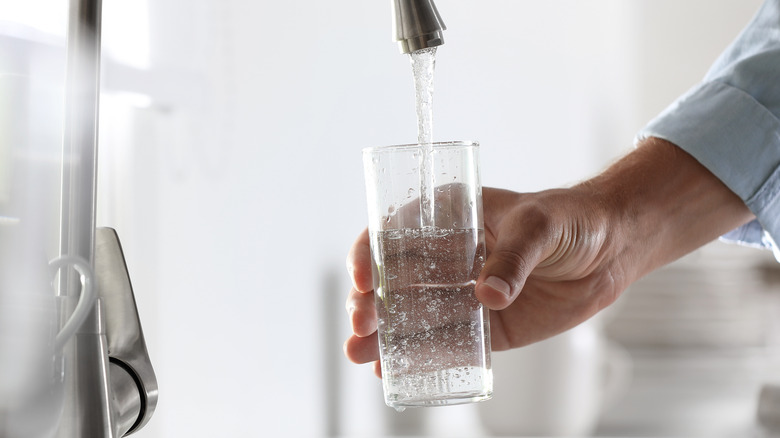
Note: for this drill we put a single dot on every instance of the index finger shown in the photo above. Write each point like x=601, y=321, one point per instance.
x=359, y=263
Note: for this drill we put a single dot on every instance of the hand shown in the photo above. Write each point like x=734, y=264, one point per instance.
x=557, y=257
x=520, y=231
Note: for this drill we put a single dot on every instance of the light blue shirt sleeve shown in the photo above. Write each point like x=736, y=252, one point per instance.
x=730, y=123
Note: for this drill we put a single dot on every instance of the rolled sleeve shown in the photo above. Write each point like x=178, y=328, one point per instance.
x=730, y=124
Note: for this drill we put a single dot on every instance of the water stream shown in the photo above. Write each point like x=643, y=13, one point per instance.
x=423, y=65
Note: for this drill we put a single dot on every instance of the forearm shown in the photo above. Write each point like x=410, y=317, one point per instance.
x=663, y=204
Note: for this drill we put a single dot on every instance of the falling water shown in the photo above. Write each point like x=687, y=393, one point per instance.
x=423, y=64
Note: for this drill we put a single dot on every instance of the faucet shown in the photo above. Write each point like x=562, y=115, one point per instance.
x=132, y=382
x=110, y=389
x=417, y=25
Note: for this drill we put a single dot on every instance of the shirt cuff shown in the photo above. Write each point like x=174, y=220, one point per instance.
x=738, y=140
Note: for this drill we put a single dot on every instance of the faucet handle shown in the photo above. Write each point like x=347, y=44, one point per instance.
x=133, y=382
x=417, y=25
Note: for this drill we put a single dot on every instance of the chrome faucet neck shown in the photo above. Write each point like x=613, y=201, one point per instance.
x=417, y=25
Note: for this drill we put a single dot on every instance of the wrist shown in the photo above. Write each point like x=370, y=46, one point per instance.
x=660, y=204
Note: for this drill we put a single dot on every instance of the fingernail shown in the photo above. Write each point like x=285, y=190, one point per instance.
x=498, y=285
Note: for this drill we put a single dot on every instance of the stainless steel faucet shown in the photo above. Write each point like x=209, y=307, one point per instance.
x=110, y=389
x=417, y=25
x=131, y=378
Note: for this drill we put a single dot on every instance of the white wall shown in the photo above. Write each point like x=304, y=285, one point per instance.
x=238, y=191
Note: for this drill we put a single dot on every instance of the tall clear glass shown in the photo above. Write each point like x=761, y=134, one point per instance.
x=434, y=336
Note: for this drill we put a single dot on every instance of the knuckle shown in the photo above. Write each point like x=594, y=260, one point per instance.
x=512, y=262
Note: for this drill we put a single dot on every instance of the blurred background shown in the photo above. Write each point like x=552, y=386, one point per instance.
x=229, y=164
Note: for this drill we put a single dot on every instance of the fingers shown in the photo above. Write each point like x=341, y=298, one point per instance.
x=359, y=263
x=521, y=243
x=362, y=349
x=362, y=313
x=360, y=303
x=363, y=345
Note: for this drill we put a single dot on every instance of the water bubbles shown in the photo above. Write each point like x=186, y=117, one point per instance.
x=394, y=234
x=432, y=333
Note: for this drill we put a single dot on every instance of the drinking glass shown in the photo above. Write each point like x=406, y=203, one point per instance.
x=434, y=336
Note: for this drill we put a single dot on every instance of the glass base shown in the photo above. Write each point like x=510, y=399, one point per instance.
x=455, y=386
x=448, y=400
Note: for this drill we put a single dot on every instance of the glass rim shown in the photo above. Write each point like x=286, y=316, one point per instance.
x=436, y=145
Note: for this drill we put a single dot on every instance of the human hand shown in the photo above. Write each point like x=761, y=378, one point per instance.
x=557, y=257
x=521, y=231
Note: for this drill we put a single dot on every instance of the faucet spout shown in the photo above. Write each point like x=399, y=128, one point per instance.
x=417, y=25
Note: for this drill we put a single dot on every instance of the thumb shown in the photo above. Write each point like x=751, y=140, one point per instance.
x=515, y=254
